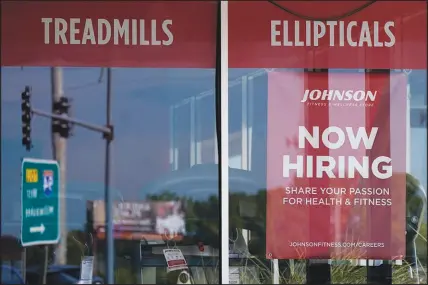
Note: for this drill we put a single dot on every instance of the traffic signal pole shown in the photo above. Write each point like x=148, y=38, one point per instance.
x=61, y=129
x=71, y=120
x=59, y=148
x=107, y=191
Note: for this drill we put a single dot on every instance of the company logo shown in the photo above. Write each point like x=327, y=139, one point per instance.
x=48, y=182
x=339, y=95
x=31, y=175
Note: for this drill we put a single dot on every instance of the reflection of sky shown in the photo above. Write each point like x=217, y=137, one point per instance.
x=141, y=100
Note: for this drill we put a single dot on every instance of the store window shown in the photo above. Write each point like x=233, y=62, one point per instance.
x=327, y=127
x=418, y=117
x=182, y=138
x=155, y=59
x=295, y=67
x=206, y=144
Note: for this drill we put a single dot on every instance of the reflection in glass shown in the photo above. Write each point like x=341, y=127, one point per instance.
x=206, y=149
x=248, y=202
x=182, y=129
x=164, y=186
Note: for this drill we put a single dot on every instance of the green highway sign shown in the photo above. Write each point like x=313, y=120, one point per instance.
x=40, y=181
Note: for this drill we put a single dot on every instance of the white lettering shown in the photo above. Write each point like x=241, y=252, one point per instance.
x=387, y=169
x=376, y=33
x=274, y=33
x=60, y=30
x=354, y=139
x=75, y=31
x=339, y=95
x=155, y=41
x=286, y=41
x=331, y=25
x=304, y=134
x=88, y=33
x=292, y=166
x=342, y=167
x=326, y=165
x=47, y=22
x=298, y=42
x=134, y=30
x=121, y=31
x=166, y=29
x=143, y=40
x=104, y=40
x=389, y=33
x=319, y=31
x=365, y=35
x=310, y=33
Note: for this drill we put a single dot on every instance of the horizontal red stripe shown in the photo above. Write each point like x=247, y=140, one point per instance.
x=193, y=28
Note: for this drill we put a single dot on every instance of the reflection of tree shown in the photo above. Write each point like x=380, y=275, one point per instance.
x=248, y=211
x=10, y=248
x=77, y=246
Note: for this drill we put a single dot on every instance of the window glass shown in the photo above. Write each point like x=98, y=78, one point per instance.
x=235, y=125
x=278, y=64
x=75, y=273
x=157, y=61
x=206, y=150
x=248, y=206
x=10, y=276
x=183, y=147
x=418, y=117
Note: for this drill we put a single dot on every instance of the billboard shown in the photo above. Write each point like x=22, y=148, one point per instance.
x=151, y=220
x=336, y=164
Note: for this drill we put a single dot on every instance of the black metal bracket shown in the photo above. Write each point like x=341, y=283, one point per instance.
x=318, y=70
x=318, y=273
x=378, y=71
x=381, y=274
x=109, y=135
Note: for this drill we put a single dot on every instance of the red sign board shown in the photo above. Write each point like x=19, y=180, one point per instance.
x=383, y=35
x=386, y=34
x=336, y=165
x=108, y=33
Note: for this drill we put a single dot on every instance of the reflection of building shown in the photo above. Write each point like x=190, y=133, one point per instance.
x=247, y=126
x=193, y=130
x=193, y=133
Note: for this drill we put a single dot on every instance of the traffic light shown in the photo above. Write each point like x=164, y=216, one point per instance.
x=61, y=108
x=26, y=118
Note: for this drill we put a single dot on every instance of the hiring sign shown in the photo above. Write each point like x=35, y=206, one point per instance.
x=336, y=165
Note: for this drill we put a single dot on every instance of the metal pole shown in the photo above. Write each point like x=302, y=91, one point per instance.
x=108, y=192
x=224, y=137
x=275, y=271
x=24, y=264
x=45, y=264
x=59, y=145
x=75, y=121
